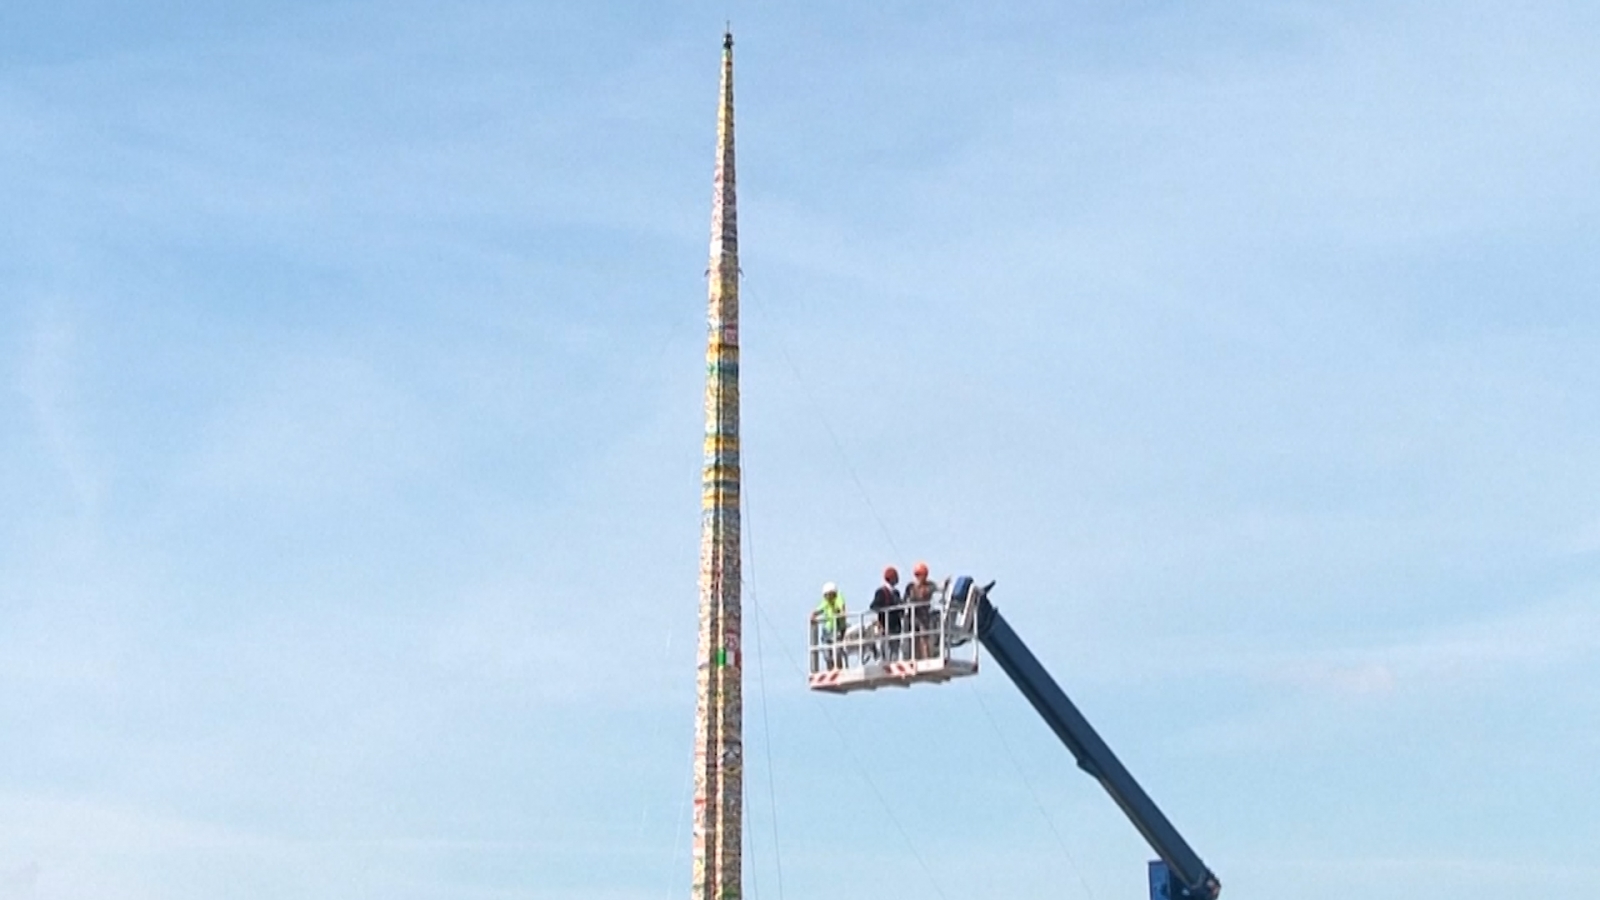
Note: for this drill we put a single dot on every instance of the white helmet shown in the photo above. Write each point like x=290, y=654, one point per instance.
x=829, y=588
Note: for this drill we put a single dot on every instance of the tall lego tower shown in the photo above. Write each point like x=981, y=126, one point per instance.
x=718, y=745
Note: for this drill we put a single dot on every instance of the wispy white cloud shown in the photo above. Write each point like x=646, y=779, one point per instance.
x=19, y=884
x=316, y=426
x=1402, y=876
x=1587, y=540
x=1538, y=637
x=85, y=849
x=541, y=644
x=48, y=380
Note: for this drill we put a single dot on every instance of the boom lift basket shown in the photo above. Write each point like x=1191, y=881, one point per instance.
x=899, y=646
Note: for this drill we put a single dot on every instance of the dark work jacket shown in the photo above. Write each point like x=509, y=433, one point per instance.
x=886, y=602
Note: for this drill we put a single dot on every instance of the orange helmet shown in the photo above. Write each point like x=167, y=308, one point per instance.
x=921, y=571
x=891, y=575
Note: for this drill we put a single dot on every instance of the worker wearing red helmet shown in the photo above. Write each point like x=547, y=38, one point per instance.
x=891, y=617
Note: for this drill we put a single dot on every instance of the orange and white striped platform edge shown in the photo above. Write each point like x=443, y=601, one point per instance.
x=898, y=673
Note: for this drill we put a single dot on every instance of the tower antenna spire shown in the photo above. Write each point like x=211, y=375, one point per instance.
x=718, y=736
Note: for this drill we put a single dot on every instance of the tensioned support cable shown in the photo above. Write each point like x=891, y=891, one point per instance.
x=761, y=680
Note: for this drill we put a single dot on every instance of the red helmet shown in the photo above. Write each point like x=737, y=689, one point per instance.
x=891, y=575
x=921, y=571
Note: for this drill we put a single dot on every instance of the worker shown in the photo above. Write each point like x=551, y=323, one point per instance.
x=829, y=618
x=887, y=603
x=919, y=597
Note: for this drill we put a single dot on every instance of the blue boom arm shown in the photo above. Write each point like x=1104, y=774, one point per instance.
x=1179, y=875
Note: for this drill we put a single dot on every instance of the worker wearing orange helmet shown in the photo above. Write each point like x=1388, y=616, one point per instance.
x=920, y=594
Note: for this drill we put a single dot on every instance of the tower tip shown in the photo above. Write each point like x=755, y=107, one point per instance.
x=727, y=36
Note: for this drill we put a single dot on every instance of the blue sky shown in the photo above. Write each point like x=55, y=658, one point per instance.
x=349, y=441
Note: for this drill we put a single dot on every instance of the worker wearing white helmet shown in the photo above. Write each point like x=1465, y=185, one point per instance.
x=829, y=615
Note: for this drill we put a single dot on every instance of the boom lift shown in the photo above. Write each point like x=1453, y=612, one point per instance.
x=934, y=642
